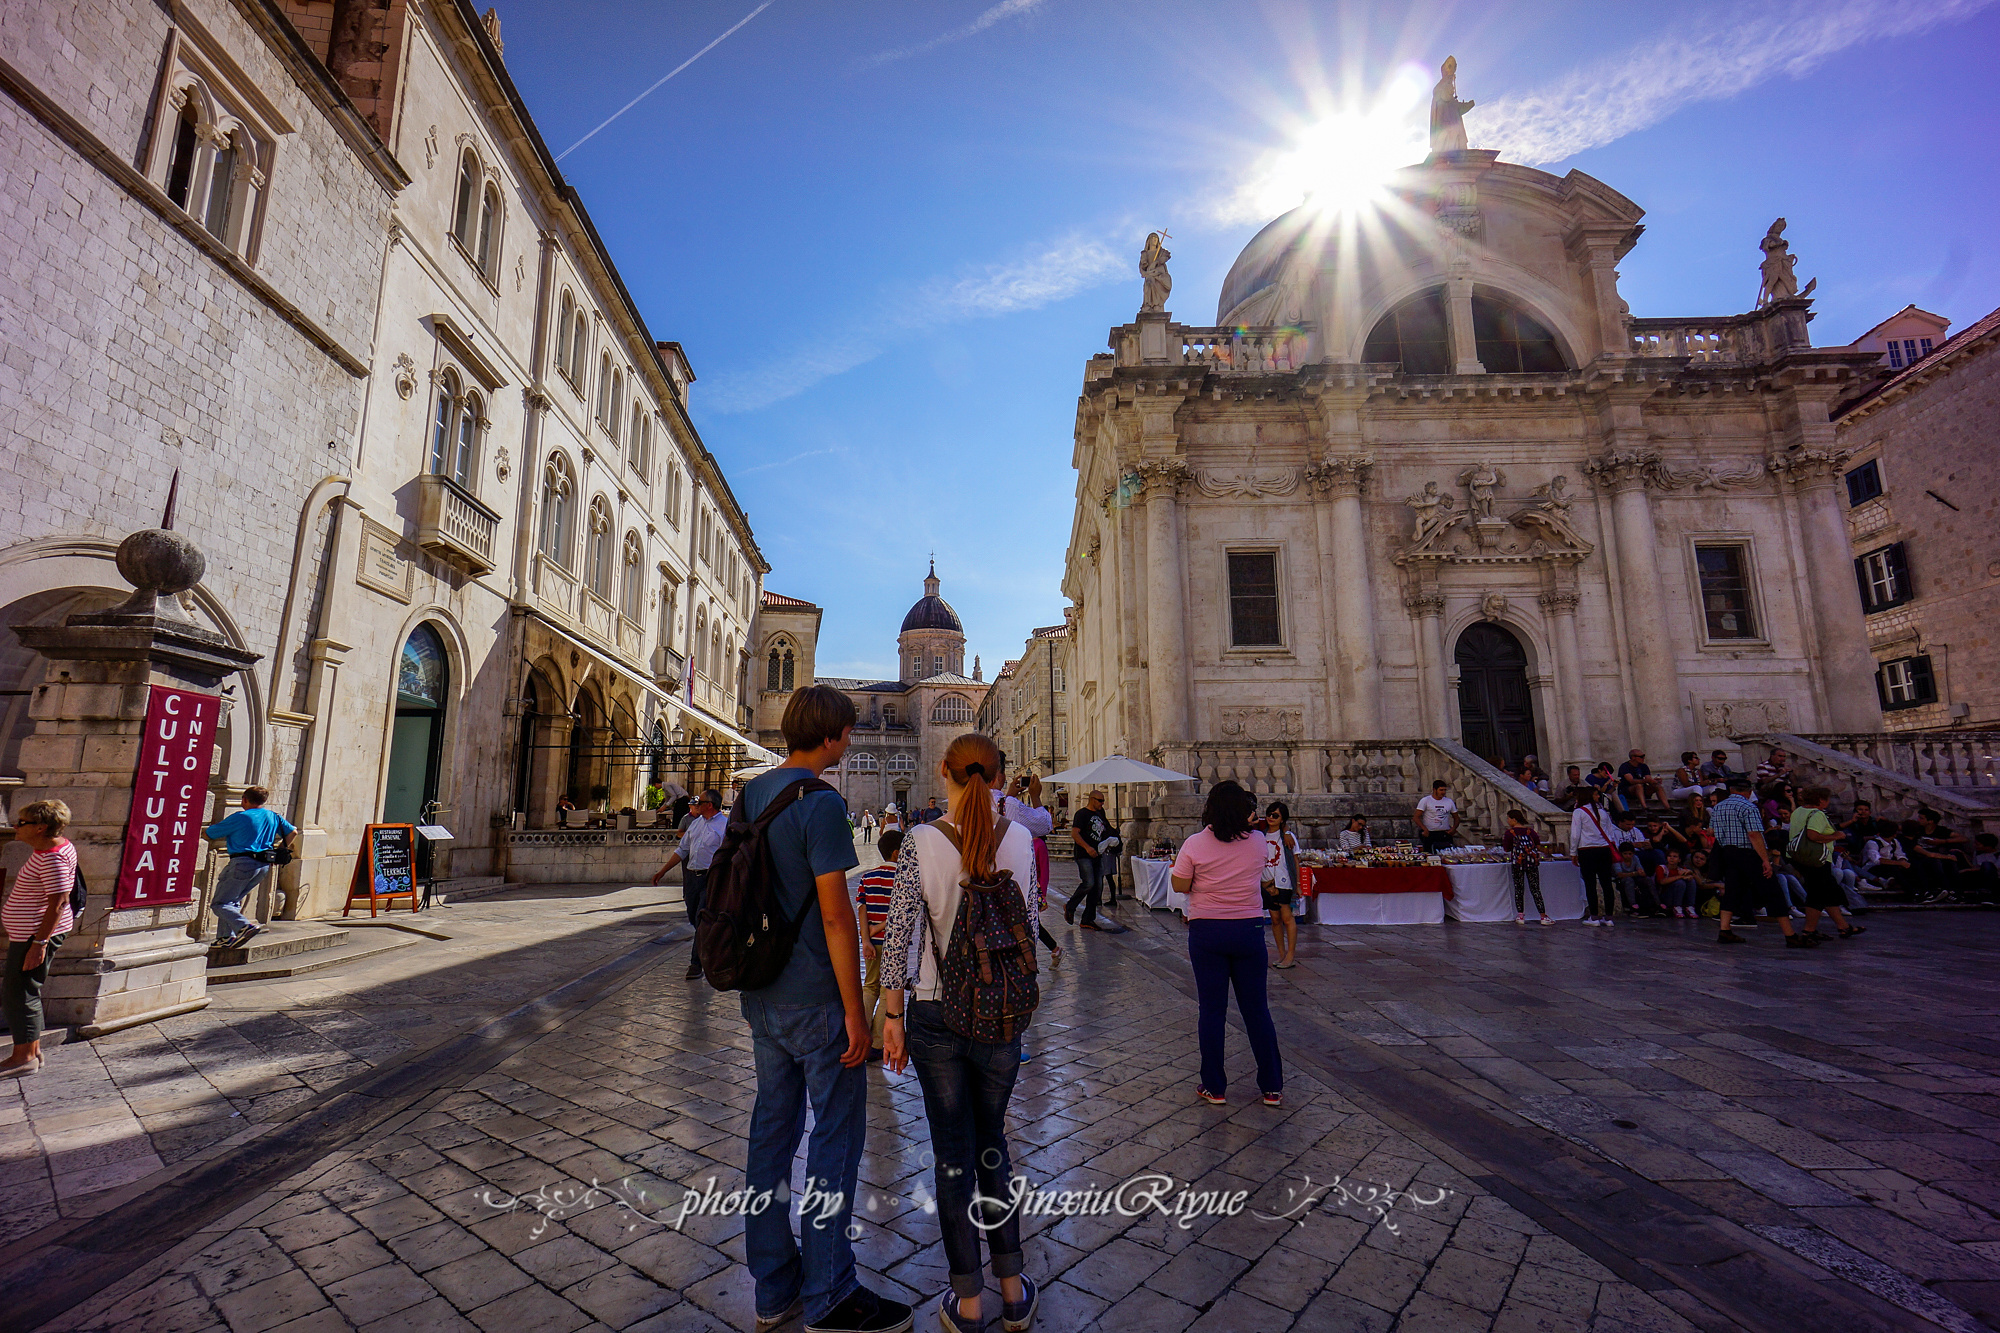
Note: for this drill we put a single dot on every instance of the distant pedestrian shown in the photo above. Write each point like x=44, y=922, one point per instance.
x=1524, y=848
x=1090, y=829
x=253, y=835
x=1749, y=874
x=36, y=917
x=871, y=914
x=701, y=836
x=1437, y=817
x=1221, y=869
x=1810, y=848
x=1283, y=860
x=1593, y=841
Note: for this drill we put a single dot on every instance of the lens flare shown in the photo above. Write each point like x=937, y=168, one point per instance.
x=1340, y=162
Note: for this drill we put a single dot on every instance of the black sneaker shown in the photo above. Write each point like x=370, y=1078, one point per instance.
x=865, y=1312
x=1801, y=940
x=1729, y=937
x=694, y=970
x=247, y=934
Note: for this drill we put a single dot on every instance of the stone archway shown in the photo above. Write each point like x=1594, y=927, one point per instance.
x=1496, y=709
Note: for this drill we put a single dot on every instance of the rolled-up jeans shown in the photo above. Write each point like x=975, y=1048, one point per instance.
x=21, y=990
x=242, y=875
x=967, y=1085
x=797, y=1050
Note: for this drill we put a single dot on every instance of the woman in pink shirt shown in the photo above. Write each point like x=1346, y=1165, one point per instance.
x=1221, y=869
x=35, y=917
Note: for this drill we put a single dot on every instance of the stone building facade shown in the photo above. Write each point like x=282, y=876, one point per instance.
x=904, y=724
x=444, y=475
x=1026, y=712
x=1427, y=477
x=1922, y=492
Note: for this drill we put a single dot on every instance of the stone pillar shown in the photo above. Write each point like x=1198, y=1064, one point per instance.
x=1425, y=603
x=1559, y=602
x=1847, y=668
x=1166, y=612
x=1648, y=645
x=1458, y=320
x=1595, y=247
x=120, y=968
x=1355, y=681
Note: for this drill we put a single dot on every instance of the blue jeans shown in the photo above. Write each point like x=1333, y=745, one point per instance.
x=1089, y=884
x=967, y=1085
x=798, y=1050
x=1226, y=954
x=232, y=886
x=694, y=887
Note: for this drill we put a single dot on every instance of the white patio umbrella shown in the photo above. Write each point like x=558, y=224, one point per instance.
x=754, y=771
x=1117, y=768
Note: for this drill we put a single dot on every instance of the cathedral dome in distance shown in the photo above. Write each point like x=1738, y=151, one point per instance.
x=931, y=610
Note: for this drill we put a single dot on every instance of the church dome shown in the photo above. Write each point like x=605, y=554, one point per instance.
x=1262, y=262
x=931, y=610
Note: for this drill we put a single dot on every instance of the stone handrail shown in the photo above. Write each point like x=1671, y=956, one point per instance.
x=1893, y=795
x=1958, y=759
x=1245, y=351
x=1485, y=794
x=1700, y=340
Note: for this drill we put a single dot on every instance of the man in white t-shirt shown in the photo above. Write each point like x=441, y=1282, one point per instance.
x=1437, y=817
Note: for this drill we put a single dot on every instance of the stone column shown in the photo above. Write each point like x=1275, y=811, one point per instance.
x=1425, y=603
x=1846, y=666
x=1648, y=645
x=1166, y=612
x=1559, y=602
x=1355, y=678
x=1595, y=248
x=137, y=965
x=1458, y=321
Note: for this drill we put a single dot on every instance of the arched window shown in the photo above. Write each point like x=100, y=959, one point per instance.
x=598, y=561
x=488, y=252
x=611, y=405
x=462, y=219
x=952, y=709
x=864, y=763
x=1414, y=335
x=902, y=763
x=579, y=346
x=635, y=444
x=423, y=674
x=774, y=671
x=565, y=330
x=441, y=427
x=558, y=499
x=221, y=189
x=634, y=586
x=701, y=641
x=780, y=669
x=717, y=664
x=1511, y=342
x=471, y=416
x=669, y=607
x=187, y=143
x=603, y=386
x=729, y=663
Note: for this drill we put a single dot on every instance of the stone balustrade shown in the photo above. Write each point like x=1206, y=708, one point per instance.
x=1244, y=351
x=1955, y=759
x=1894, y=774
x=588, y=856
x=452, y=524
x=1700, y=340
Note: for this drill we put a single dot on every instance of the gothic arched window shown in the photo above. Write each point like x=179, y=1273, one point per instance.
x=558, y=497
x=598, y=557
x=634, y=586
x=1414, y=335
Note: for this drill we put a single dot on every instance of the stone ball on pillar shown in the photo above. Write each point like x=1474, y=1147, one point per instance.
x=157, y=561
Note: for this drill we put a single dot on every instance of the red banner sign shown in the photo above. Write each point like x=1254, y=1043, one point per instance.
x=169, y=798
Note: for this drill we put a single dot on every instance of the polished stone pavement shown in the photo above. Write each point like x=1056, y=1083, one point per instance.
x=1630, y=1128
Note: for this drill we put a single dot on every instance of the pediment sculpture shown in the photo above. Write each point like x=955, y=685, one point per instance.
x=1545, y=528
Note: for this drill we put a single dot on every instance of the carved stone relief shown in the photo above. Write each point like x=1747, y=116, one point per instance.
x=1246, y=485
x=1253, y=723
x=1743, y=717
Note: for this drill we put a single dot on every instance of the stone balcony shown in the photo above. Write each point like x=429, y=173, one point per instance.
x=454, y=525
x=669, y=667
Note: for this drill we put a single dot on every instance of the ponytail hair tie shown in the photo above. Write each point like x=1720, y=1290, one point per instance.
x=980, y=769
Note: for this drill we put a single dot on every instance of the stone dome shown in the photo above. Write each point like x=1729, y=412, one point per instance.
x=1262, y=262
x=931, y=610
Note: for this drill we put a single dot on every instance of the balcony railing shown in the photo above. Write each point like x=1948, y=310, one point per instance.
x=631, y=639
x=555, y=588
x=1246, y=351
x=454, y=525
x=668, y=666
x=1702, y=341
x=600, y=618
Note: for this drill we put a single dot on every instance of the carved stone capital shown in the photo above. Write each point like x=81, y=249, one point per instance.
x=535, y=400
x=1809, y=467
x=1620, y=470
x=1169, y=477
x=1560, y=602
x=1424, y=602
x=1340, y=476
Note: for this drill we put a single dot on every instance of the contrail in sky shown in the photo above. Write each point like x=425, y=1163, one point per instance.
x=1006, y=9
x=668, y=75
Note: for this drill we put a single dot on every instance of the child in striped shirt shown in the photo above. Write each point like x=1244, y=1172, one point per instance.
x=871, y=915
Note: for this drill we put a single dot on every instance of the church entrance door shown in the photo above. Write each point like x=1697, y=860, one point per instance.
x=1496, y=712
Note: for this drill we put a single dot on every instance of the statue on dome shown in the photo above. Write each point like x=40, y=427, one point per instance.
x=1153, y=269
x=1781, y=281
x=1447, y=112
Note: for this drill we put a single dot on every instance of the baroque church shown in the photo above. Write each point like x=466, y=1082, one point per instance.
x=1427, y=476
x=904, y=724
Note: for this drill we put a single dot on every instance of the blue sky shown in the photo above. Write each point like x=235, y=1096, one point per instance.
x=890, y=234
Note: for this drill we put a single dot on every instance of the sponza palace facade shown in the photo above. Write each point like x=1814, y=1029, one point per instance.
x=318, y=259
x=1429, y=477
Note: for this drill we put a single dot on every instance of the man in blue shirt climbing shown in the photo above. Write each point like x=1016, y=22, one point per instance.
x=810, y=1037
x=251, y=833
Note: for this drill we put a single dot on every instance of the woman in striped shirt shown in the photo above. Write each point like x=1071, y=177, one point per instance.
x=36, y=917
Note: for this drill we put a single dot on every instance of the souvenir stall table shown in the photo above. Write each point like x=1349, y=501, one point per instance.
x=1403, y=895
x=1484, y=891
x=1153, y=884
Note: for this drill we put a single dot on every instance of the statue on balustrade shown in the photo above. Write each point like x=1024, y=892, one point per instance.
x=1447, y=112
x=1781, y=281
x=1153, y=269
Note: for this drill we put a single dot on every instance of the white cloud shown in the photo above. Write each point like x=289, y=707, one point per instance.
x=1058, y=271
x=1603, y=102
x=1006, y=9
x=787, y=462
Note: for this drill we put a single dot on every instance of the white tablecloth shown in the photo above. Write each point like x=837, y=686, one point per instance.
x=1154, y=884
x=1485, y=892
x=1379, y=909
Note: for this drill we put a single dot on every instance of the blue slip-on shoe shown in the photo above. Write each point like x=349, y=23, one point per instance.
x=1015, y=1316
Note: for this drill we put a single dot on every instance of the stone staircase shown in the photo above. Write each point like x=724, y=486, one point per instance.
x=295, y=948
x=1895, y=772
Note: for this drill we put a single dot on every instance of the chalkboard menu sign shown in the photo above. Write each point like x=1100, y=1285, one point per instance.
x=385, y=869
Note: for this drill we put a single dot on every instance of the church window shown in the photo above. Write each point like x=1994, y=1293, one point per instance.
x=1509, y=342
x=902, y=763
x=1253, y=599
x=579, y=345
x=487, y=254
x=1414, y=336
x=1725, y=591
x=1864, y=483
x=781, y=670
x=598, y=558
x=937, y=666
x=610, y=415
x=565, y=330
x=558, y=495
x=1884, y=577
x=1906, y=683
x=952, y=710
x=634, y=586
x=864, y=763
x=462, y=217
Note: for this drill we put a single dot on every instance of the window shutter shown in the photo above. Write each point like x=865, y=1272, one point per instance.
x=1923, y=685
x=1899, y=569
x=1882, y=688
x=1861, y=582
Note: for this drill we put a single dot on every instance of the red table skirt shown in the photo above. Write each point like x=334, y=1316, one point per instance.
x=1388, y=879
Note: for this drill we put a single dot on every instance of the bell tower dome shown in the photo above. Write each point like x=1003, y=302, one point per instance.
x=932, y=640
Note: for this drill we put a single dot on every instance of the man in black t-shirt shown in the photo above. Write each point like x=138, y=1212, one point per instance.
x=1088, y=829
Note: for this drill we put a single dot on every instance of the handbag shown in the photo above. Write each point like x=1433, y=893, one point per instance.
x=274, y=855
